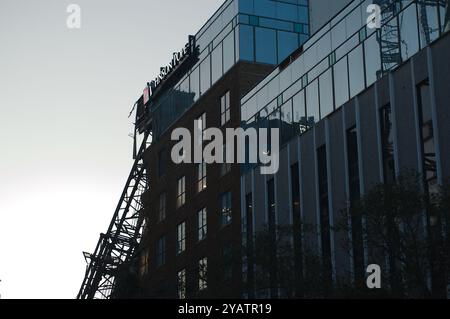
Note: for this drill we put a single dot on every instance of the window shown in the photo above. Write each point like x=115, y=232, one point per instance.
x=202, y=224
x=372, y=59
x=181, y=284
x=195, y=83
x=181, y=192
x=429, y=31
x=354, y=188
x=324, y=212
x=312, y=103
x=408, y=32
x=201, y=177
x=161, y=251
x=205, y=75
x=202, y=274
x=287, y=43
x=341, y=82
x=181, y=238
x=225, y=204
x=228, y=52
x=225, y=167
x=429, y=167
x=387, y=144
x=356, y=71
x=326, y=93
x=299, y=112
x=225, y=113
x=246, y=41
x=216, y=63
x=201, y=122
x=143, y=267
x=162, y=207
x=266, y=45
x=286, y=121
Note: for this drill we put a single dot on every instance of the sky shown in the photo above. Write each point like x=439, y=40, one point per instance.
x=65, y=153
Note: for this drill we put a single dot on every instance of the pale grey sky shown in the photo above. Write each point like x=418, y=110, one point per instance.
x=65, y=153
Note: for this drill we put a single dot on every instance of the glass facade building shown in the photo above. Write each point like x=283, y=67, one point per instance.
x=256, y=31
x=340, y=61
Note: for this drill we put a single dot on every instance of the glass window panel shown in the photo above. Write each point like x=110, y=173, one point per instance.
x=390, y=46
x=216, y=64
x=338, y=35
x=303, y=14
x=312, y=102
x=251, y=107
x=286, y=121
x=326, y=93
x=302, y=38
x=292, y=90
x=347, y=46
x=195, y=83
x=266, y=47
x=373, y=60
x=228, y=52
x=356, y=71
x=273, y=89
x=222, y=34
x=262, y=97
x=254, y=20
x=246, y=49
x=285, y=79
x=226, y=214
x=265, y=8
x=276, y=24
x=310, y=57
x=445, y=22
x=353, y=22
x=299, y=113
x=318, y=69
x=324, y=46
x=287, y=43
x=274, y=119
x=408, y=32
x=341, y=82
x=429, y=26
x=184, y=86
x=286, y=11
x=205, y=75
x=243, y=18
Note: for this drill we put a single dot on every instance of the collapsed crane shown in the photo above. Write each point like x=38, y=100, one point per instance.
x=116, y=249
x=389, y=35
x=113, y=263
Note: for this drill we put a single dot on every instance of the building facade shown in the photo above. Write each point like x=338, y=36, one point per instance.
x=357, y=108
x=351, y=103
x=191, y=242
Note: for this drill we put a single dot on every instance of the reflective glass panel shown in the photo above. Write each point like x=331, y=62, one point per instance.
x=266, y=48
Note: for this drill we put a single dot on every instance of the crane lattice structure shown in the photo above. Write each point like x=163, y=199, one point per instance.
x=116, y=250
x=389, y=35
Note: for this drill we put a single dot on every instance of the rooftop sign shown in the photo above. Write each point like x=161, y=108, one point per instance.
x=177, y=60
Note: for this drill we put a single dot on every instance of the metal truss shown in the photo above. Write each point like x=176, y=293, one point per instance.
x=389, y=35
x=115, y=250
